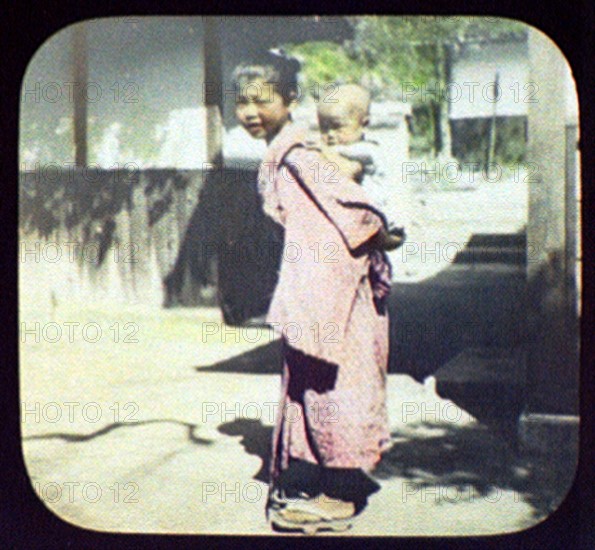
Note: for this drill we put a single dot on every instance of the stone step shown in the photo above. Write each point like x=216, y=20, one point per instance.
x=489, y=382
x=556, y=433
x=492, y=254
x=504, y=248
x=507, y=240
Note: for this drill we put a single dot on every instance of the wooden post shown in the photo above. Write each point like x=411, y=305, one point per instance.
x=213, y=89
x=80, y=75
x=572, y=228
x=436, y=103
x=553, y=360
x=446, y=134
x=213, y=101
x=492, y=136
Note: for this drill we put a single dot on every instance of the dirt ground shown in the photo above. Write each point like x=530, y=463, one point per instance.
x=145, y=420
x=171, y=433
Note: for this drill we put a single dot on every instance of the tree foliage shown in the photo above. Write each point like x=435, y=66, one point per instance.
x=388, y=50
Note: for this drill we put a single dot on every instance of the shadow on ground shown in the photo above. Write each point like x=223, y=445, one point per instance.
x=480, y=465
x=479, y=300
x=256, y=440
x=455, y=463
x=470, y=461
x=265, y=359
x=81, y=438
x=461, y=306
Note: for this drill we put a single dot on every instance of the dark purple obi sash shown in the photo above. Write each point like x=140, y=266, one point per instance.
x=380, y=278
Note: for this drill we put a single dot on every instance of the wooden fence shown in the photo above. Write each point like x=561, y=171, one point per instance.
x=167, y=237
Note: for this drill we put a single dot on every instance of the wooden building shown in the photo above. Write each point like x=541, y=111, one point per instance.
x=165, y=206
x=489, y=94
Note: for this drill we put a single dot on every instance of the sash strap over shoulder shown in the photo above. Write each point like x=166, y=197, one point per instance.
x=326, y=217
x=340, y=199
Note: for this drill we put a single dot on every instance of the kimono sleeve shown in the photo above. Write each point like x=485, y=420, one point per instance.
x=341, y=200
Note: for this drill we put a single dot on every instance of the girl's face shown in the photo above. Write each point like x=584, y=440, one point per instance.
x=261, y=110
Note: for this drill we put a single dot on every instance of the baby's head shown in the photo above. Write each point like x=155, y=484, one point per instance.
x=344, y=115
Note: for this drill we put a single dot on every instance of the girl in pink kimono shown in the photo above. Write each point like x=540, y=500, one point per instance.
x=332, y=423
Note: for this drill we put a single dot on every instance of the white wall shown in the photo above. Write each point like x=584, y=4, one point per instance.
x=473, y=73
x=145, y=79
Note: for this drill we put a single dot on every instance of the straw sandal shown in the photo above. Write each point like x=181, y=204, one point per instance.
x=310, y=516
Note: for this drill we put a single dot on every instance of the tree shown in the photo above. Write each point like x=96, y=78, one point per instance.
x=421, y=58
x=390, y=53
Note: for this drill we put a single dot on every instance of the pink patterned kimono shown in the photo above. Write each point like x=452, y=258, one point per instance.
x=333, y=403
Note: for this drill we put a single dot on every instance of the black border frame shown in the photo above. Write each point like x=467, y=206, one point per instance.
x=25, y=521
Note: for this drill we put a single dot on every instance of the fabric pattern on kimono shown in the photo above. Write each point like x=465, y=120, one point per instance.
x=333, y=399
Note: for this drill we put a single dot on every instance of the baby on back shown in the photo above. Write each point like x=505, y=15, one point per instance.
x=343, y=119
x=342, y=123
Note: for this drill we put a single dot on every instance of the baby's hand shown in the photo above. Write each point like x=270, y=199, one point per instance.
x=388, y=241
x=392, y=242
x=398, y=232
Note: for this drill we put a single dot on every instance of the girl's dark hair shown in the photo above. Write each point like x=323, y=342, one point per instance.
x=280, y=69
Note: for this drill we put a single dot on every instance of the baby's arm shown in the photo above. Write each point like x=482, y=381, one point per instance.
x=351, y=168
x=343, y=202
x=362, y=152
x=378, y=181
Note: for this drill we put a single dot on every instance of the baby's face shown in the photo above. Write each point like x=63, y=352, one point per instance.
x=339, y=127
